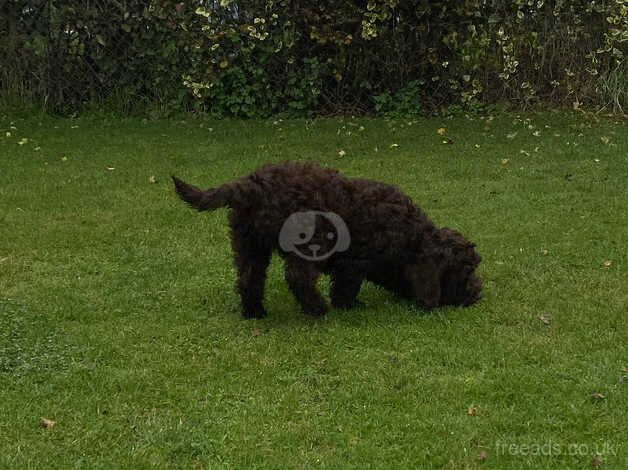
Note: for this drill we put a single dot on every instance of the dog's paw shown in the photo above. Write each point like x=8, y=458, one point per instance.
x=316, y=310
x=345, y=305
x=248, y=315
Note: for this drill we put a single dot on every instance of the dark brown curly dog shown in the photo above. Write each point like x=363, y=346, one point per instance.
x=353, y=229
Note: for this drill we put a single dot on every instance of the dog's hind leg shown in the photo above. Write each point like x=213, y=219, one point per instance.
x=301, y=277
x=251, y=259
x=346, y=281
x=251, y=280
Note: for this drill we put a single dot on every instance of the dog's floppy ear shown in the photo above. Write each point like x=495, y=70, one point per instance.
x=424, y=277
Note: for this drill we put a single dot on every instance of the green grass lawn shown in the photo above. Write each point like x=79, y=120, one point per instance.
x=119, y=321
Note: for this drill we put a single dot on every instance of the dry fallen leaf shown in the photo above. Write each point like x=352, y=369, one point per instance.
x=598, y=396
x=341, y=153
x=394, y=146
x=110, y=168
x=392, y=357
x=608, y=263
x=472, y=411
x=605, y=140
x=482, y=455
x=64, y=159
x=256, y=332
x=441, y=131
x=48, y=423
x=152, y=179
x=545, y=318
x=505, y=160
x=596, y=461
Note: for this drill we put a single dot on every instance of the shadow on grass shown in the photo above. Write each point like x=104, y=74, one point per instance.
x=378, y=307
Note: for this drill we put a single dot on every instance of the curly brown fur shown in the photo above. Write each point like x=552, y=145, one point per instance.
x=393, y=243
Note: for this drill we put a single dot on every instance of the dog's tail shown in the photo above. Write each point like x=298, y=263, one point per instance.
x=202, y=200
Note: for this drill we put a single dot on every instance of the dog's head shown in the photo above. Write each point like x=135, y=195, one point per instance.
x=444, y=272
x=459, y=282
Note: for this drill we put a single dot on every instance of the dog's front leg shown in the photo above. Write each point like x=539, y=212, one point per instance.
x=301, y=277
x=425, y=280
x=346, y=280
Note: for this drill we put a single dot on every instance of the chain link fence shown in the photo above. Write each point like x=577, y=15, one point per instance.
x=67, y=54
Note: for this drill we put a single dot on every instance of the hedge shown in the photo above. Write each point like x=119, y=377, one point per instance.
x=258, y=58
